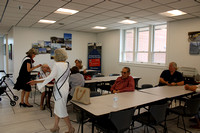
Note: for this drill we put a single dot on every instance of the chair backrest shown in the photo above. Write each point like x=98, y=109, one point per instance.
x=193, y=105
x=122, y=119
x=159, y=112
x=114, y=74
x=144, y=86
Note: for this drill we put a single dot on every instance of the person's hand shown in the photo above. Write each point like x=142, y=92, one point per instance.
x=173, y=84
x=32, y=82
x=115, y=91
x=39, y=65
x=187, y=87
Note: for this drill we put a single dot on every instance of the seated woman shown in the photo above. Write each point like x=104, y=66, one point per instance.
x=75, y=79
x=44, y=72
x=81, y=68
x=171, y=77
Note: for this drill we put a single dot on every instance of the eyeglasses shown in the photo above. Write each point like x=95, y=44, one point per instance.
x=123, y=72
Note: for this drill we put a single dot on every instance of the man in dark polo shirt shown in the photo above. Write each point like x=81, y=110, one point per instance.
x=171, y=77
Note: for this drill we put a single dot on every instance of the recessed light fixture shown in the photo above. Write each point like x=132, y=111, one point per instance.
x=173, y=13
x=99, y=27
x=127, y=21
x=46, y=21
x=66, y=11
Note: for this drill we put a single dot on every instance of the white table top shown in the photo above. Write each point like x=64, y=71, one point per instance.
x=167, y=91
x=103, y=104
x=105, y=79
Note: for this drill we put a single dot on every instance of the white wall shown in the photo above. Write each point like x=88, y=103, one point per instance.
x=177, y=46
x=1, y=53
x=24, y=37
x=10, y=62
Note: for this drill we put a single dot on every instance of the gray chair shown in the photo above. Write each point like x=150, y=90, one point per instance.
x=116, y=122
x=190, y=109
x=156, y=115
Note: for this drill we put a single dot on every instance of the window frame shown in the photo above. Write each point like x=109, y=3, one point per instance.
x=151, y=45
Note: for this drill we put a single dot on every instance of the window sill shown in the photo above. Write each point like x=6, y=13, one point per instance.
x=144, y=65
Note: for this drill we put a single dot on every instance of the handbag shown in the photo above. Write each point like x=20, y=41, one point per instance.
x=81, y=95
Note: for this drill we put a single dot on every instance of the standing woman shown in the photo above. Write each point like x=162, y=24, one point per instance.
x=24, y=77
x=60, y=72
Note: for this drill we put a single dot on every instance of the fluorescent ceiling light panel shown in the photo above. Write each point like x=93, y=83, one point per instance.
x=99, y=27
x=46, y=21
x=127, y=21
x=66, y=11
x=173, y=13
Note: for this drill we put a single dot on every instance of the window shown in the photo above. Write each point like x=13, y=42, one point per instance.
x=160, y=39
x=129, y=44
x=145, y=45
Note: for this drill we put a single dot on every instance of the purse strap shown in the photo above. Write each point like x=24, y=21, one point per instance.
x=81, y=95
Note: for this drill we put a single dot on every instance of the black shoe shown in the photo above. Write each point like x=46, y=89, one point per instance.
x=29, y=106
x=22, y=104
x=193, y=120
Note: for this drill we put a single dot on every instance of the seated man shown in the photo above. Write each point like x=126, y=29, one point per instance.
x=195, y=88
x=124, y=83
x=44, y=72
x=171, y=77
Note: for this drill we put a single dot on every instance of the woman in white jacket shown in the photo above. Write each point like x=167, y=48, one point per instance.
x=60, y=72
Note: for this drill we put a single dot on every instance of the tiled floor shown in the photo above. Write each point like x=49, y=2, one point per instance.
x=16, y=119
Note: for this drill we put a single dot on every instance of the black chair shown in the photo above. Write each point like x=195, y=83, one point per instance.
x=114, y=74
x=145, y=86
x=156, y=115
x=116, y=122
x=190, y=109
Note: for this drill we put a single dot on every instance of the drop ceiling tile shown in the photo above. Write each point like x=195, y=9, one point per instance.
x=108, y=5
x=29, y=1
x=183, y=4
x=100, y=17
x=141, y=13
x=38, y=13
x=56, y=16
x=88, y=2
x=160, y=9
x=75, y=6
x=166, y=1
x=83, y=14
x=69, y=20
x=126, y=9
x=125, y=2
x=18, y=5
x=112, y=13
x=45, y=8
x=191, y=9
x=40, y=25
x=25, y=23
x=95, y=10
x=53, y=3
x=16, y=10
x=144, y=4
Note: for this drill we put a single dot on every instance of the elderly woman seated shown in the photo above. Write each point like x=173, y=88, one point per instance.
x=44, y=72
